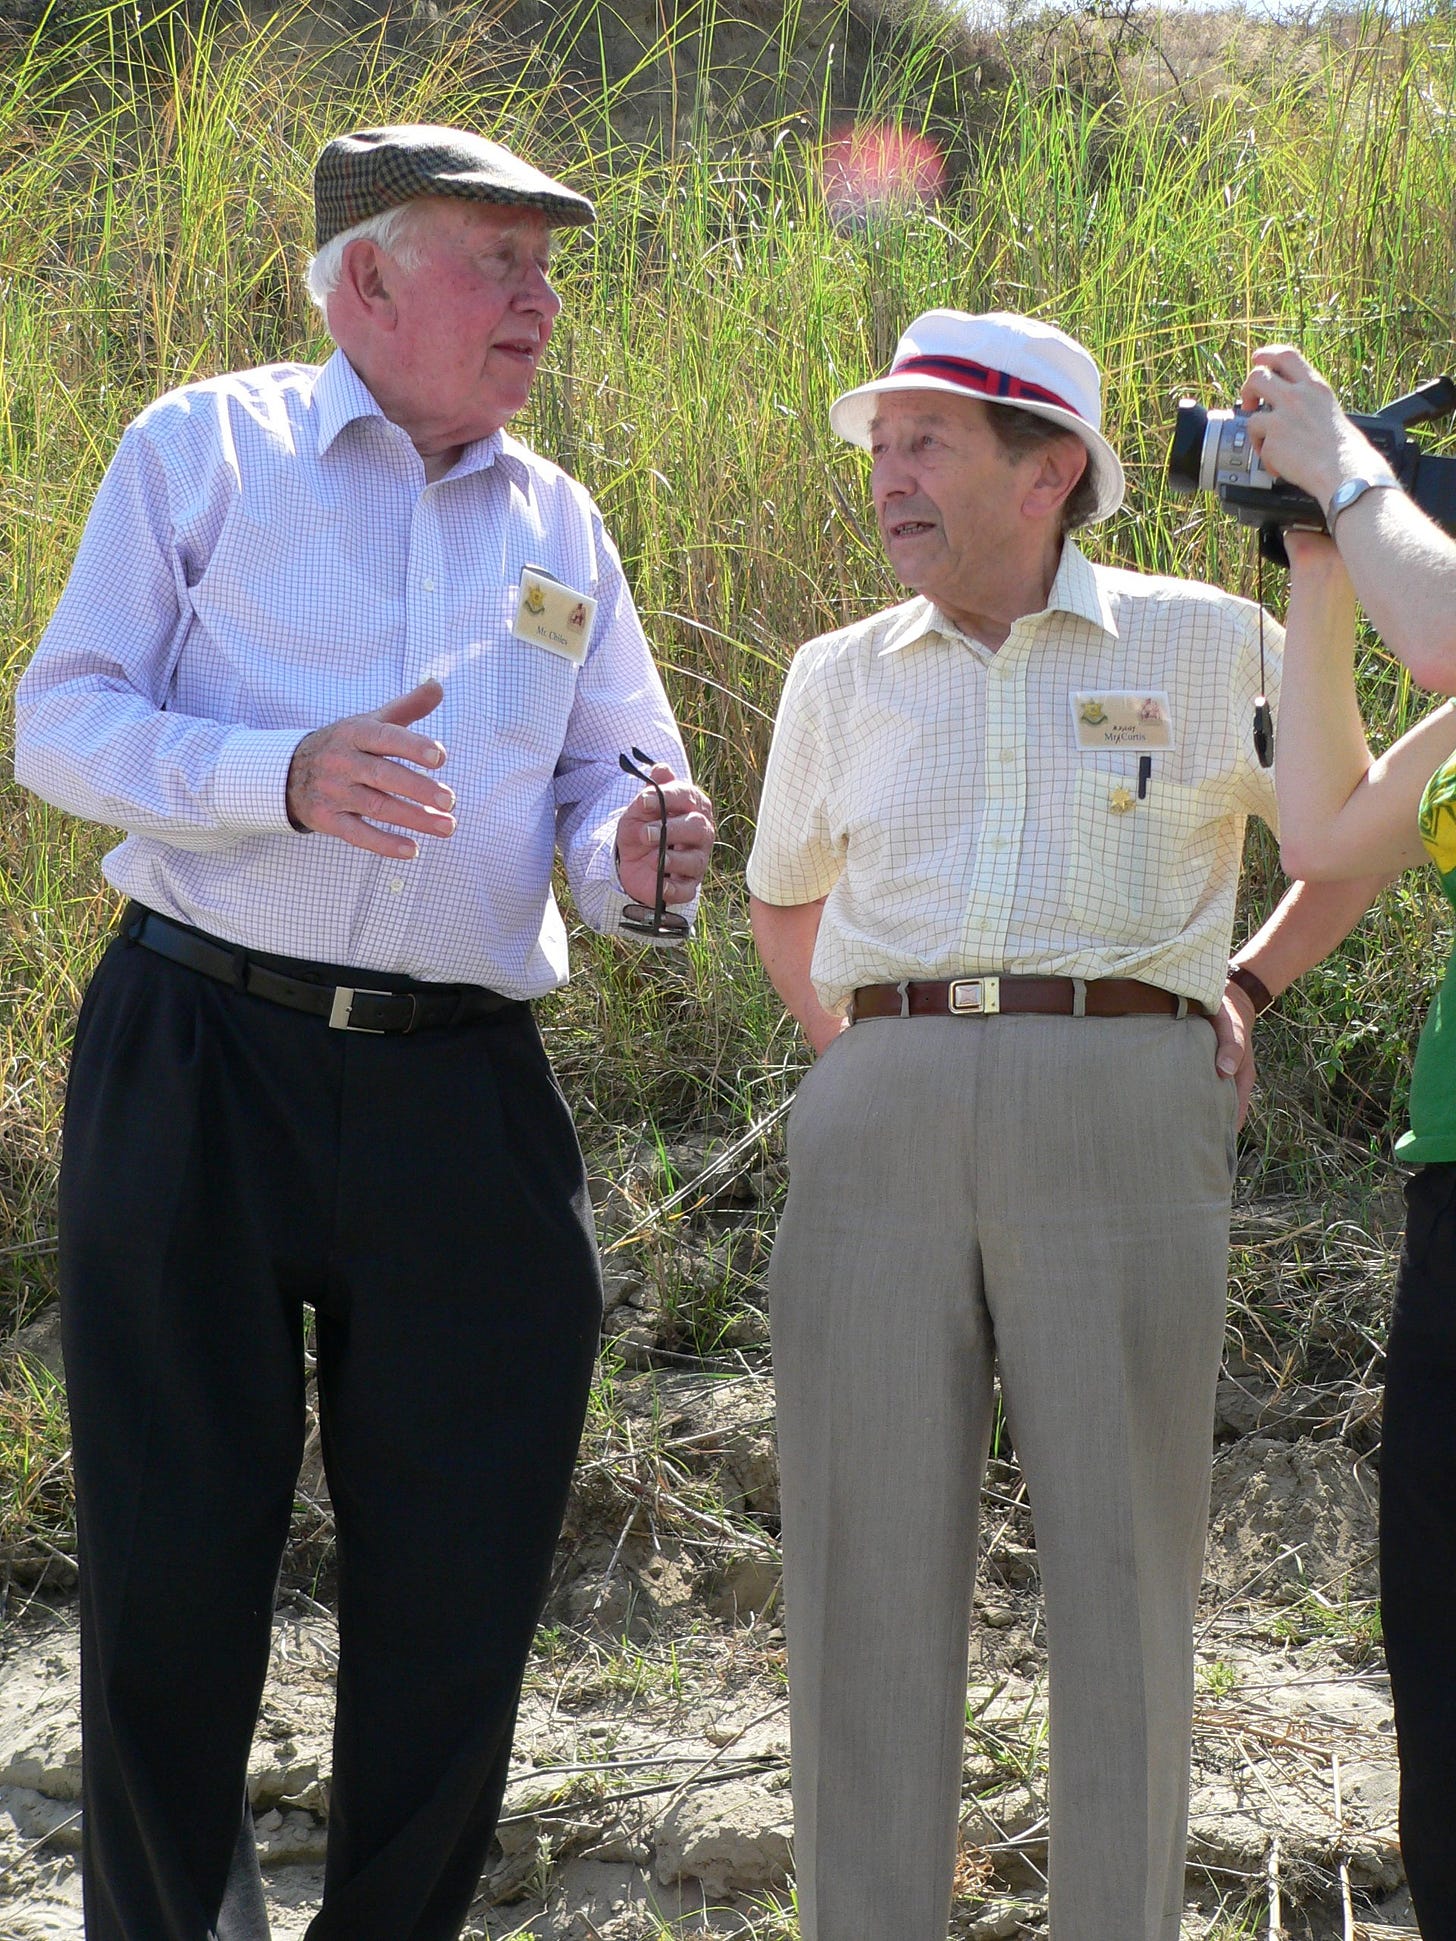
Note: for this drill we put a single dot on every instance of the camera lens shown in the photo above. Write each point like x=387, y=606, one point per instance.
x=1185, y=457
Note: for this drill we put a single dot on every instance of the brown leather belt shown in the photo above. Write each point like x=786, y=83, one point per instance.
x=1052, y=997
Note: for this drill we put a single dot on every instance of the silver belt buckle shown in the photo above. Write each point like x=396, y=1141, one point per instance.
x=974, y=997
x=341, y=1011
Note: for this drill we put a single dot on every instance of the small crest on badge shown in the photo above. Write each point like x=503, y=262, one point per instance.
x=552, y=615
x=1137, y=722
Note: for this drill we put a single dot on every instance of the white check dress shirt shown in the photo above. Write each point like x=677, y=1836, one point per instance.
x=935, y=793
x=264, y=557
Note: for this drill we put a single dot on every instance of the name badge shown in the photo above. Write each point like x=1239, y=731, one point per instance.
x=1142, y=722
x=553, y=616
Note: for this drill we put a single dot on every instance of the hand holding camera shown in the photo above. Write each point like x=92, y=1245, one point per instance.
x=1308, y=442
x=1290, y=458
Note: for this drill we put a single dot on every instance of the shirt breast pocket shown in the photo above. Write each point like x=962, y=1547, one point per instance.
x=1137, y=870
x=521, y=694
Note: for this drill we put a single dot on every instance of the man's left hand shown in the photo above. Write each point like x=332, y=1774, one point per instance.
x=1233, y=1027
x=690, y=833
x=1301, y=434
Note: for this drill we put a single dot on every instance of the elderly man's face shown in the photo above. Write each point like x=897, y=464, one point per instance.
x=947, y=495
x=472, y=318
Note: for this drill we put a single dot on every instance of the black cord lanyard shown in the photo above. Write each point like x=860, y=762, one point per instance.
x=1263, y=713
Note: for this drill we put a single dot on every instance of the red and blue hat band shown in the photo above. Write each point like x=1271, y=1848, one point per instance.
x=982, y=379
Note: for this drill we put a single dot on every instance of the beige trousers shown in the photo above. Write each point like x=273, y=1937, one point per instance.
x=1048, y=1197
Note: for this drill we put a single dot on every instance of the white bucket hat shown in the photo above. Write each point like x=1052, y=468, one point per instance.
x=999, y=358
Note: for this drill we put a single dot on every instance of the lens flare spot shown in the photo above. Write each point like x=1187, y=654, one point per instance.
x=873, y=168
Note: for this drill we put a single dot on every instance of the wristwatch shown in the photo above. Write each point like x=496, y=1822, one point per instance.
x=1349, y=490
x=1253, y=987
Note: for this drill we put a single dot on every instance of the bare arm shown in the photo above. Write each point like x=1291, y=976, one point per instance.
x=1402, y=564
x=785, y=935
x=1310, y=921
x=1342, y=813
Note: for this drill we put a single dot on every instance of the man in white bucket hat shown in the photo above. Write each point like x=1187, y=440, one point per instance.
x=1000, y=836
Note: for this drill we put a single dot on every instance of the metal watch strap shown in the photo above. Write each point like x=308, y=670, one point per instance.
x=1350, y=491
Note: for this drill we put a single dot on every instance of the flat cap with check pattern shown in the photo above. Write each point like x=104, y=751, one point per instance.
x=374, y=169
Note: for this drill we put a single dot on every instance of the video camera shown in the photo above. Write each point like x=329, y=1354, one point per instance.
x=1213, y=452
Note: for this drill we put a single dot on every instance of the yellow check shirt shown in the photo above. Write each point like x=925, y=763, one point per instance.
x=934, y=791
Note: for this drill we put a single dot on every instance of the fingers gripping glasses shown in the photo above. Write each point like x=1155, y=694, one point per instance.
x=659, y=921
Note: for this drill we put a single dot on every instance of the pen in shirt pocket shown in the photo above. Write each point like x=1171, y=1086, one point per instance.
x=1145, y=775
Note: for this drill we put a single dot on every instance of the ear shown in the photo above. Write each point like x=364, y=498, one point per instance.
x=1059, y=464
x=366, y=283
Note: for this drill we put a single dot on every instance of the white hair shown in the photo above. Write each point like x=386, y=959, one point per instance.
x=392, y=231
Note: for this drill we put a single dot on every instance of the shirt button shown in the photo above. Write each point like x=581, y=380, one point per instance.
x=1008, y=754
x=428, y=583
x=396, y=884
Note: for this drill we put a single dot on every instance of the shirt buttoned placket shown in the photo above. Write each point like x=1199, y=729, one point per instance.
x=391, y=910
x=991, y=905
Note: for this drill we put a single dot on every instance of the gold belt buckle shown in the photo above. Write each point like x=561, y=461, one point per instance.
x=974, y=997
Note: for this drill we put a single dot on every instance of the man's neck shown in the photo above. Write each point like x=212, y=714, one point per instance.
x=438, y=463
x=440, y=446
x=992, y=608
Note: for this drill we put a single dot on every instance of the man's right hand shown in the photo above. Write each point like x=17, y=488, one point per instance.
x=1233, y=1031
x=352, y=775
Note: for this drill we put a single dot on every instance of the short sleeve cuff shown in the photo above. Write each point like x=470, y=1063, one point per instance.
x=250, y=780
x=785, y=884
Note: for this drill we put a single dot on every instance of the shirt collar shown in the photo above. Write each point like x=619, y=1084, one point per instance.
x=340, y=396
x=913, y=621
x=1076, y=589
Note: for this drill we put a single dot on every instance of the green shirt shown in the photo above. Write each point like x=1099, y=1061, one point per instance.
x=1432, y=1134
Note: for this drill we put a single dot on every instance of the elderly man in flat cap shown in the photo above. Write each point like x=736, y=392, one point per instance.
x=306, y=1074
x=994, y=881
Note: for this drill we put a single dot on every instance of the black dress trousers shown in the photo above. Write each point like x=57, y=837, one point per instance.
x=227, y=1161
x=1418, y=1544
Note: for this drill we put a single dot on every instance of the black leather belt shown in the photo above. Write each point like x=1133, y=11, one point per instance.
x=308, y=987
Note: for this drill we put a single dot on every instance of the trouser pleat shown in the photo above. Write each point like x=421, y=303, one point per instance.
x=1048, y=1198
x=228, y=1165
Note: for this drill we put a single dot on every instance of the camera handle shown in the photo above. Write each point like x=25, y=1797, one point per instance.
x=1271, y=547
x=1436, y=398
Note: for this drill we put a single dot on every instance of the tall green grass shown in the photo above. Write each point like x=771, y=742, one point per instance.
x=154, y=215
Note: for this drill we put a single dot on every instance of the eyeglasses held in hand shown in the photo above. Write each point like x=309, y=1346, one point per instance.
x=659, y=921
